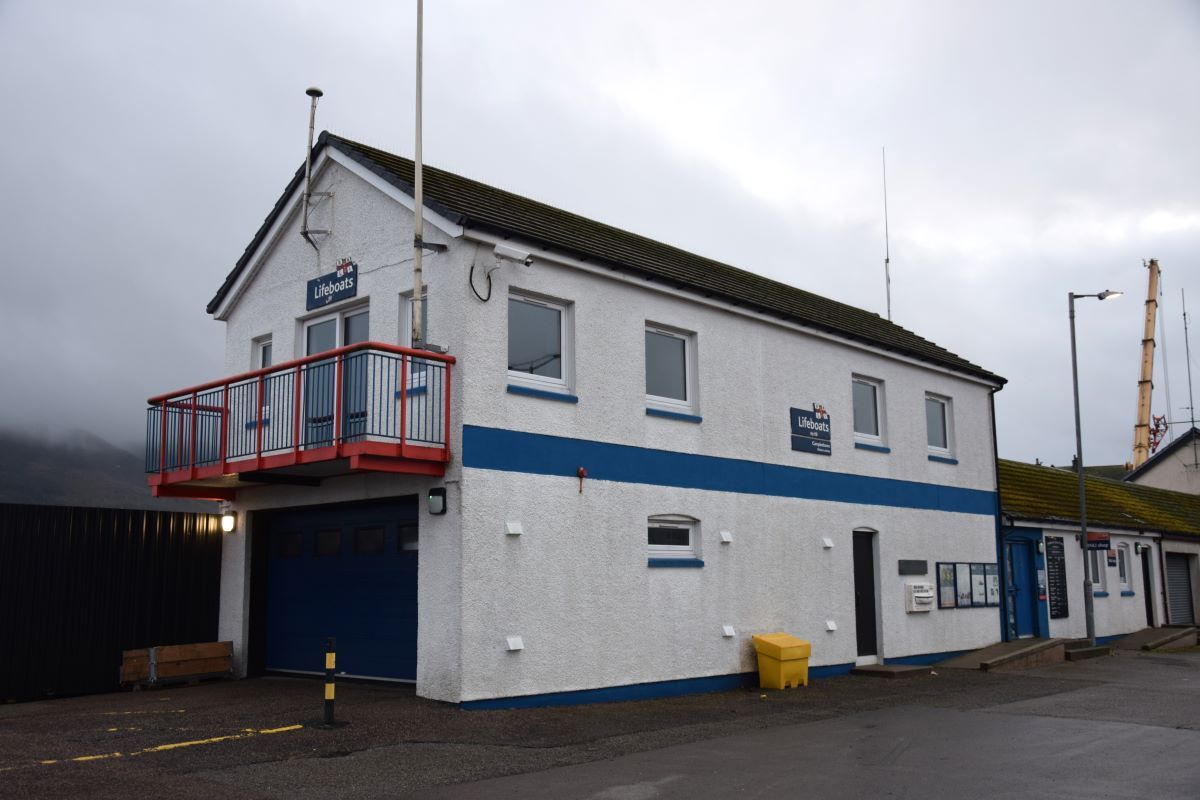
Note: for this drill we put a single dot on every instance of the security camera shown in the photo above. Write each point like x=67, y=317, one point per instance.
x=506, y=252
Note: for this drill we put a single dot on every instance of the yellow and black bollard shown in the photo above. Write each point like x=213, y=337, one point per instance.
x=330, y=663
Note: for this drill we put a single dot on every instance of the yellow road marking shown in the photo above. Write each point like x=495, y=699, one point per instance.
x=159, y=748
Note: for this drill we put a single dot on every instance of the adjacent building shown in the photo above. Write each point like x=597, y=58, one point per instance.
x=616, y=463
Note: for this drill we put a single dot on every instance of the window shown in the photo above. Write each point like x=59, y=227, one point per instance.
x=538, y=346
x=408, y=538
x=262, y=353
x=672, y=536
x=368, y=541
x=289, y=545
x=1098, y=560
x=938, y=420
x=868, y=402
x=670, y=370
x=1123, y=565
x=328, y=542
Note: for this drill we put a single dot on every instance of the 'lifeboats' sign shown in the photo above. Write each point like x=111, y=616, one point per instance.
x=811, y=431
x=340, y=284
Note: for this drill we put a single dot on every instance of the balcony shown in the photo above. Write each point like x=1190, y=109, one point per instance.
x=368, y=407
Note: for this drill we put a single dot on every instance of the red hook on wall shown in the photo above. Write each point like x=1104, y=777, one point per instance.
x=582, y=473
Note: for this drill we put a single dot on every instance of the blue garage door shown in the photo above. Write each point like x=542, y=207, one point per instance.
x=348, y=571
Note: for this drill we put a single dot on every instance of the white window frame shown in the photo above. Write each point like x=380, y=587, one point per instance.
x=1098, y=564
x=690, y=404
x=340, y=327
x=674, y=521
x=880, y=411
x=260, y=344
x=1123, y=564
x=416, y=379
x=566, y=341
x=947, y=404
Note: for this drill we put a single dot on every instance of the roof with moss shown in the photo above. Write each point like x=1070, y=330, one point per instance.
x=1032, y=492
x=479, y=206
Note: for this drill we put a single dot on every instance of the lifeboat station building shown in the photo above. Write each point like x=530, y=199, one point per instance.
x=609, y=464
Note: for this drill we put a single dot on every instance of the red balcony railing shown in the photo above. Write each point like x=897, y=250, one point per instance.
x=365, y=407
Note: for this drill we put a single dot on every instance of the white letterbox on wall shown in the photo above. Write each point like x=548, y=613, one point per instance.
x=918, y=597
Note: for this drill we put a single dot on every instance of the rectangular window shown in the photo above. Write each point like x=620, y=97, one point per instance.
x=289, y=545
x=336, y=330
x=263, y=353
x=938, y=424
x=328, y=542
x=868, y=402
x=670, y=369
x=1098, y=560
x=538, y=342
x=368, y=541
x=1123, y=565
x=671, y=537
x=408, y=538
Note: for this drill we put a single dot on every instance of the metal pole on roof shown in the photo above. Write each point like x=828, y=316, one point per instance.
x=887, y=249
x=418, y=335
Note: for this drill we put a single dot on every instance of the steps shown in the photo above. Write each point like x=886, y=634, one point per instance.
x=891, y=671
x=1155, y=638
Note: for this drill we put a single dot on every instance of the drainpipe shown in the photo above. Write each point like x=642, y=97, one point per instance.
x=1004, y=577
x=1162, y=580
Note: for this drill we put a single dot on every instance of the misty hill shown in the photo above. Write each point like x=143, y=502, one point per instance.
x=79, y=469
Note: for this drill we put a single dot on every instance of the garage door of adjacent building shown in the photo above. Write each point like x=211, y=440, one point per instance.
x=347, y=571
x=1180, y=610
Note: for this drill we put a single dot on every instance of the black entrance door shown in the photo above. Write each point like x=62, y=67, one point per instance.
x=1146, y=588
x=864, y=593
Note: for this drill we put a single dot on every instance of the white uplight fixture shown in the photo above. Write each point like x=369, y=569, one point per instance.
x=830, y=625
x=514, y=528
x=827, y=542
x=726, y=537
x=514, y=643
x=728, y=632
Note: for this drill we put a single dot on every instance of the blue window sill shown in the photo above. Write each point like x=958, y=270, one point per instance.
x=412, y=391
x=943, y=459
x=1099, y=594
x=658, y=412
x=542, y=393
x=874, y=448
x=1127, y=593
x=685, y=563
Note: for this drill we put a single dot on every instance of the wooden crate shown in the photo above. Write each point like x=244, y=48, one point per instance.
x=176, y=663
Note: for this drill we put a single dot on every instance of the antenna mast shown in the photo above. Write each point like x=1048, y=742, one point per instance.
x=887, y=252
x=1141, y=428
x=1191, y=403
x=1162, y=336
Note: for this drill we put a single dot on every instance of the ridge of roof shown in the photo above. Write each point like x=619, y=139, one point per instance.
x=483, y=207
x=1037, y=492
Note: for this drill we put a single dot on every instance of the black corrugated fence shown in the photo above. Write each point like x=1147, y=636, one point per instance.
x=79, y=585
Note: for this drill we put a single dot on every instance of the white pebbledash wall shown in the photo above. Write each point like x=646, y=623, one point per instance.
x=576, y=585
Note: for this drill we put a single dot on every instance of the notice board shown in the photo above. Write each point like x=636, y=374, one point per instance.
x=1056, y=577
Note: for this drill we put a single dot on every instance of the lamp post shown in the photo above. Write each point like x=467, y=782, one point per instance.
x=1089, y=612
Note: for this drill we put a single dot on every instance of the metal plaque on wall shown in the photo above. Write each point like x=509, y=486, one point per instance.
x=811, y=430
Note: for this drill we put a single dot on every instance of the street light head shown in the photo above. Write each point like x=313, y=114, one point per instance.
x=1107, y=294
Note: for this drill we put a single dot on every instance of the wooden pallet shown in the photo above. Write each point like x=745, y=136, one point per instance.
x=177, y=663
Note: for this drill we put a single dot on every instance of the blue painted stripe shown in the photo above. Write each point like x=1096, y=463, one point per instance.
x=642, y=691
x=874, y=448
x=924, y=659
x=413, y=391
x=539, y=454
x=1099, y=594
x=684, y=563
x=1127, y=593
x=943, y=459
x=658, y=412
x=561, y=397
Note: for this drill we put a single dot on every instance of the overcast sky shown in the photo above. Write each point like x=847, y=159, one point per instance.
x=1034, y=148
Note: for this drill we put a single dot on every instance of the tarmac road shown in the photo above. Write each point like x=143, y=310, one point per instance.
x=1127, y=726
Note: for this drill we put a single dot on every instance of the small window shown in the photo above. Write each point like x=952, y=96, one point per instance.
x=670, y=360
x=670, y=536
x=263, y=353
x=356, y=328
x=289, y=545
x=537, y=342
x=868, y=401
x=1123, y=565
x=336, y=330
x=1098, y=560
x=408, y=539
x=328, y=543
x=938, y=424
x=368, y=541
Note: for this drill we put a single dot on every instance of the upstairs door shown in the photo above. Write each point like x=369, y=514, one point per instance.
x=320, y=377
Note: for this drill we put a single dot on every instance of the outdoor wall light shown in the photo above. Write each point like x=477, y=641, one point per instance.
x=726, y=537
x=514, y=528
x=1041, y=546
x=827, y=542
x=437, y=500
x=514, y=643
x=228, y=521
x=728, y=632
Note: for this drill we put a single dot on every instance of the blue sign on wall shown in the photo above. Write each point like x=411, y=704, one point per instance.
x=811, y=431
x=340, y=284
